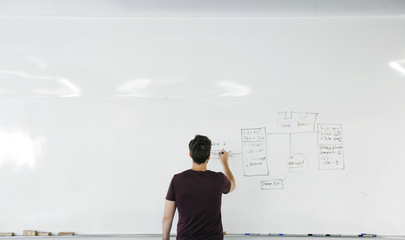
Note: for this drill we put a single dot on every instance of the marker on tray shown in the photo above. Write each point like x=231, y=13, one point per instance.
x=276, y=234
x=252, y=234
x=367, y=235
x=315, y=235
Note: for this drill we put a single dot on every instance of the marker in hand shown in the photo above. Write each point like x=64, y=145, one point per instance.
x=223, y=156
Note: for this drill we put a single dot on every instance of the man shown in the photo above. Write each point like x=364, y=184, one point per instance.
x=197, y=194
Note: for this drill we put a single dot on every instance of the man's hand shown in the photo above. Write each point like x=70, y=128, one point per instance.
x=223, y=156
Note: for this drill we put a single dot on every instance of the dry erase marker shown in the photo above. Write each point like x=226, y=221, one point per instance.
x=333, y=235
x=315, y=235
x=276, y=234
x=367, y=235
x=252, y=234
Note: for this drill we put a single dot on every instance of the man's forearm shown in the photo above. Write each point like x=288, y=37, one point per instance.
x=229, y=175
x=170, y=208
x=167, y=225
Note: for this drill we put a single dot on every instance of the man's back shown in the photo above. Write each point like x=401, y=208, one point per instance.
x=197, y=194
x=198, y=197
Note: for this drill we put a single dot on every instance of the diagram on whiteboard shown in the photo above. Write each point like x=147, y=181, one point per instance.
x=254, y=152
x=329, y=144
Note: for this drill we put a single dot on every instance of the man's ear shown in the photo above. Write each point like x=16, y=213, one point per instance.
x=189, y=153
x=209, y=156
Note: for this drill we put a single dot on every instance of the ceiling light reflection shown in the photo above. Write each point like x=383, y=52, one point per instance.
x=74, y=90
x=399, y=66
x=234, y=89
x=134, y=88
x=14, y=82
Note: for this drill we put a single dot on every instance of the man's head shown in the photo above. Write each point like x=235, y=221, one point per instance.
x=200, y=149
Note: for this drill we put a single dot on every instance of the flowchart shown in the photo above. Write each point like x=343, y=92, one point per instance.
x=254, y=141
x=329, y=144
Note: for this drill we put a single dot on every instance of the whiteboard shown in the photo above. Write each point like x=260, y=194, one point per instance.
x=97, y=113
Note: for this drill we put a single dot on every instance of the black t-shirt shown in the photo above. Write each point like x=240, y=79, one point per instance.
x=198, y=198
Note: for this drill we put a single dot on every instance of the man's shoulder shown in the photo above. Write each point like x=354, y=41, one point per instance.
x=182, y=174
x=190, y=172
x=217, y=173
x=218, y=176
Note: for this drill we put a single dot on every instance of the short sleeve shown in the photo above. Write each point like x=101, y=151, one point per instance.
x=170, y=193
x=226, y=186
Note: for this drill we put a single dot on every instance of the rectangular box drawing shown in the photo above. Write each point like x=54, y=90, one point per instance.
x=254, y=152
x=296, y=122
x=272, y=184
x=330, y=147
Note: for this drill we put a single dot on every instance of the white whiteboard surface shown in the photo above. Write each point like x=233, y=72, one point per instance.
x=96, y=115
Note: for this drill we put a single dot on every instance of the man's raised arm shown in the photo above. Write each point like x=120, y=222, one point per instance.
x=223, y=156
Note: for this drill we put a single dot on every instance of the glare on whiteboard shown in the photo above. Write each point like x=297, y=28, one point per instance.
x=23, y=84
x=399, y=66
x=233, y=89
x=19, y=148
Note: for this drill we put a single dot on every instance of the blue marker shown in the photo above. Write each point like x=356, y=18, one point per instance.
x=276, y=234
x=367, y=235
x=252, y=234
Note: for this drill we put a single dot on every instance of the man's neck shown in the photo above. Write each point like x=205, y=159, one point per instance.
x=199, y=167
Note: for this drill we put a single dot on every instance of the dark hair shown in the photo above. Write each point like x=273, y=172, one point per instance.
x=200, y=148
